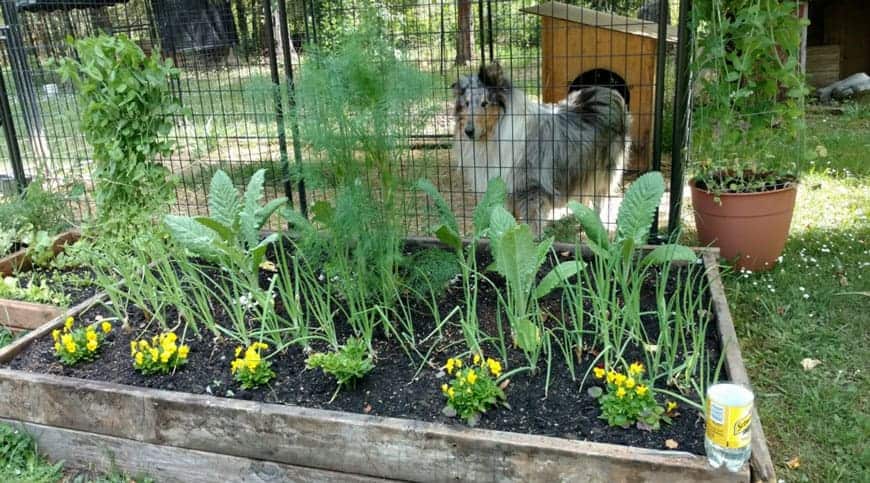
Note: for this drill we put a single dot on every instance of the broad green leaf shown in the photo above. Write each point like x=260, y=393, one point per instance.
x=496, y=194
x=193, y=236
x=591, y=223
x=226, y=233
x=527, y=336
x=558, y=276
x=516, y=258
x=669, y=253
x=295, y=219
x=263, y=213
x=445, y=214
x=449, y=237
x=259, y=252
x=638, y=208
x=500, y=221
x=248, y=227
x=223, y=199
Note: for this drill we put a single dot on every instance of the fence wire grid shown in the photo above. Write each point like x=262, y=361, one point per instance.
x=239, y=58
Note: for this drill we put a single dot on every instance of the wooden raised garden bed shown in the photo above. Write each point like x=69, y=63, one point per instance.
x=19, y=261
x=177, y=436
x=22, y=316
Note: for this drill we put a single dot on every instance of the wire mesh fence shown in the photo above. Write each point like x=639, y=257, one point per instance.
x=239, y=61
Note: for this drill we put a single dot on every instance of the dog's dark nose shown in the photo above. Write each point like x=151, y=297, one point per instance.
x=469, y=131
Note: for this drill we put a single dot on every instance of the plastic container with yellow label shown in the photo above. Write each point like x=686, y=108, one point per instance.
x=729, y=425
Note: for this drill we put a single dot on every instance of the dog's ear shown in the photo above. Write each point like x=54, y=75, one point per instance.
x=493, y=77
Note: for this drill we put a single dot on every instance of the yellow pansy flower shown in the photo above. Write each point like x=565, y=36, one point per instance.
x=90, y=336
x=670, y=406
x=155, y=354
x=641, y=390
x=620, y=393
x=598, y=372
x=92, y=345
x=476, y=359
x=106, y=327
x=630, y=382
x=68, y=323
x=140, y=359
x=55, y=334
x=635, y=369
x=57, y=346
x=238, y=350
x=444, y=388
x=451, y=392
x=611, y=377
x=183, y=351
x=619, y=379
x=451, y=363
x=71, y=347
x=494, y=367
x=471, y=377
x=164, y=358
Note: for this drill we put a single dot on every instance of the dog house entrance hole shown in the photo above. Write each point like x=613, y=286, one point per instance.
x=603, y=78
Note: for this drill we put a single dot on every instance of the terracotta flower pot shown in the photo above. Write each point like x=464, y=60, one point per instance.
x=749, y=228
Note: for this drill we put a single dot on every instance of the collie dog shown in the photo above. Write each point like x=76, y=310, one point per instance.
x=545, y=153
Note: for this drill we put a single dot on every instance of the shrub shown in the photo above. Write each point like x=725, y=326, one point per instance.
x=128, y=113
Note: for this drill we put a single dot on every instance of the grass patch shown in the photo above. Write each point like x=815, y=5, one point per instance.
x=19, y=460
x=815, y=305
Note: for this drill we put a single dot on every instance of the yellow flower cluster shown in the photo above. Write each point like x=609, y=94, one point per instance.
x=473, y=389
x=250, y=369
x=161, y=354
x=73, y=345
x=492, y=365
x=623, y=382
x=252, y=357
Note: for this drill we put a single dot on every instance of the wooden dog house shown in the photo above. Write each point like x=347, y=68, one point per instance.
x=581, y=47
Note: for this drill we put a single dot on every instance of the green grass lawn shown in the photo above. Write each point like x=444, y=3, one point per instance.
x=816, y=305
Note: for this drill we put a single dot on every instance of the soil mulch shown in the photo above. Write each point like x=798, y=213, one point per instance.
x=396, y=387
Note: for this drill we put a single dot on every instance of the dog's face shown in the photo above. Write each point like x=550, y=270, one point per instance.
x=480, y=101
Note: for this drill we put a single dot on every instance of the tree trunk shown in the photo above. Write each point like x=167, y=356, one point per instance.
x=463, y=32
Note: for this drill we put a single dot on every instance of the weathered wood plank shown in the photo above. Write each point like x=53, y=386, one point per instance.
x=18, y=315
x=762, y=465
x=167, y=464
x=336, y=441
x=11, y=350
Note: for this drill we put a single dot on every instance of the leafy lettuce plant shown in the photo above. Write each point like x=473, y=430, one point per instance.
x=231, y=234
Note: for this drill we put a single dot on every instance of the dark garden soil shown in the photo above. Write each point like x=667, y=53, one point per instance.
x=396, y=387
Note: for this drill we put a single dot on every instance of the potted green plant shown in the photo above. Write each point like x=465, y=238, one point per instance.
x=747, y=127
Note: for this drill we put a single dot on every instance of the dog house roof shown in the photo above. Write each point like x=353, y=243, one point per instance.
x=605, y=20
